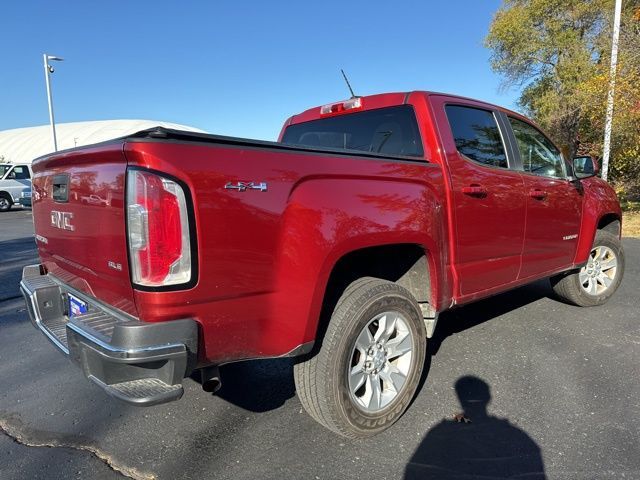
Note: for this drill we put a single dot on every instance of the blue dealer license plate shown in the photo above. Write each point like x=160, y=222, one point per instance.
x=76, y=306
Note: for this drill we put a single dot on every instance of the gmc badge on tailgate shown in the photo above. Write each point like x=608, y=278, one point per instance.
x=62, y=220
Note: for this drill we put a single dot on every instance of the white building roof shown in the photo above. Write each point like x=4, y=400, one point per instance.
x=23, y=145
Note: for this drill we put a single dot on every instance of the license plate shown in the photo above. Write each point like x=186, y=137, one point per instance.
x=76, y=306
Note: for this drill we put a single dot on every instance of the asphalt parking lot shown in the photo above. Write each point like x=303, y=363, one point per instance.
x=563, y=386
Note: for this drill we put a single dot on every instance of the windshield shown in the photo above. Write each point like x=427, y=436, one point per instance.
x=4, y=169
x=392, y=131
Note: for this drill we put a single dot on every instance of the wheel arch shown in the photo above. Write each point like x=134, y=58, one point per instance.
x=409, y=264
x=329, y=221
x=610, y=222
x=600, y=211
x=7, y=195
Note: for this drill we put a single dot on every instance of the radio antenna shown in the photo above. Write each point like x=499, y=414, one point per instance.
x=353, y=95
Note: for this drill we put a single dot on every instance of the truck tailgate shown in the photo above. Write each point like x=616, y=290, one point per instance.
x=78, y=210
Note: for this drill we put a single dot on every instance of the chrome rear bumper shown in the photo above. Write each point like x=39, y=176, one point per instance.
x=140, y=363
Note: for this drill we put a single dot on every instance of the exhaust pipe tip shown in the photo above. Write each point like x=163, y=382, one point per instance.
x=212, y=385
x=211, y=381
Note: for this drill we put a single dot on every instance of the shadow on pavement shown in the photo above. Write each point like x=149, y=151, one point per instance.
x=462, y=318
x=258, y=385
x=468, y=316
x=487, y=447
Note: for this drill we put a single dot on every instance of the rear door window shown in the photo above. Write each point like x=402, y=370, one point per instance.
x=390, y=131
x=477, y=136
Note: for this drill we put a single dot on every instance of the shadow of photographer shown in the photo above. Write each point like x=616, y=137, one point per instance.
x=475, y=444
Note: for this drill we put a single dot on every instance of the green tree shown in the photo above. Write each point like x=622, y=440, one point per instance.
x=557, y=52
x=625, y=138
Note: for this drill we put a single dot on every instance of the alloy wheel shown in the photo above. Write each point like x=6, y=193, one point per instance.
x=381, y=360
x=600, y=271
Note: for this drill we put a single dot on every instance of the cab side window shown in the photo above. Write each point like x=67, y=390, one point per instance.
x=477, y=135
x=20, y=173
x=539, y=155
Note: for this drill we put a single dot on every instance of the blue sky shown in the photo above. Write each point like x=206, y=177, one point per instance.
x=235, y=68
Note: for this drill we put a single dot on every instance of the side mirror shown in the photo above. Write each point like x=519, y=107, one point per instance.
x=584, y=167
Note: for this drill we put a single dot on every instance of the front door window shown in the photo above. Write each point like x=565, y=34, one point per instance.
x=539, y=156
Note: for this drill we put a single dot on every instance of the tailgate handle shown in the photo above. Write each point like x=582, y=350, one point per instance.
x=60, y=187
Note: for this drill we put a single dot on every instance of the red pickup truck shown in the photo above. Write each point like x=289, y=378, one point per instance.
x=339, y=244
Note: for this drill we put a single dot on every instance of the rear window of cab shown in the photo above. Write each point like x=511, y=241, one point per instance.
x=387, y=131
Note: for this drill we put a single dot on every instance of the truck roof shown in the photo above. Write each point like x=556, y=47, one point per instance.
x=390, y=99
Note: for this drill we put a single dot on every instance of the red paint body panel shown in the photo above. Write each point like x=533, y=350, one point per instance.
x=551, y=221
x=599, y=200
x=489, y=228
x=80, y=257
x=264, y=258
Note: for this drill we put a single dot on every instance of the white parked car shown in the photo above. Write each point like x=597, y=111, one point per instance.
x=15, y=183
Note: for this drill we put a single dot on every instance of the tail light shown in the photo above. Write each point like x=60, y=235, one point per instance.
x=158, y=229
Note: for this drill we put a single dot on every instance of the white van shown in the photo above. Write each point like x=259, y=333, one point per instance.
x=15, y=183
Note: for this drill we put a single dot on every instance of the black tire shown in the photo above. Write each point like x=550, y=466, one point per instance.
x=6, y=202
x=322, y=380
x=567, y=286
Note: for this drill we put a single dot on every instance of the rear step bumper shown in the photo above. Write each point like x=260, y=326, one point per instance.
x=140, y=363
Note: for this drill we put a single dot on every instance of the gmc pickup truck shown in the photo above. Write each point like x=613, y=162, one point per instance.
x=340, y=245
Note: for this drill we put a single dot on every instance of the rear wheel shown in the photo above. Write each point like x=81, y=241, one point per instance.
x=595, y=282
x=369, y=366
x=5, y=202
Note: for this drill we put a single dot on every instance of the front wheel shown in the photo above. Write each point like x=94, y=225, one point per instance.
x=595, y=282
x=369, y=366
x=5, y=202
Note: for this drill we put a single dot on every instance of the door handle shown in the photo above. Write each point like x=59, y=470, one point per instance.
x=537, y=194
x=474, y=190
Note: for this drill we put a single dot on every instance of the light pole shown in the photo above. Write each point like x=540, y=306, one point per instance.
x=612, y=85
x=48, y=70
